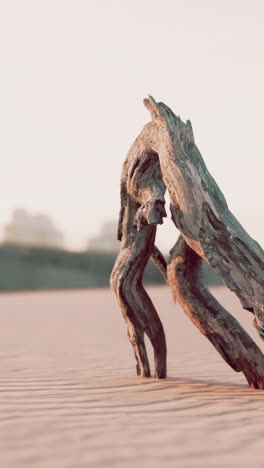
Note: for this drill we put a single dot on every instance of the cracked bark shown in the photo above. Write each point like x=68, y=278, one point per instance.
x=142, y=208
x=165, y=156
x=225, y=333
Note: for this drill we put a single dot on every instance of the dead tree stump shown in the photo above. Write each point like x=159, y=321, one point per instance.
x=164, y=156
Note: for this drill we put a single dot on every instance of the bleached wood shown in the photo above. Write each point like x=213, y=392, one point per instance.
x=142, y=208
x=199, y=210
x=165, y=156
x=221, y=328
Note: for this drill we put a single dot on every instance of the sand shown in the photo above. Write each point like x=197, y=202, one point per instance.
x=70, y=398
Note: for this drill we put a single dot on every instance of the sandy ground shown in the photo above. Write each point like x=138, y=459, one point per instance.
x=69, y=396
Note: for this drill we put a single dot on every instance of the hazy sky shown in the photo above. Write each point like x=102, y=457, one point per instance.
x=73, y=76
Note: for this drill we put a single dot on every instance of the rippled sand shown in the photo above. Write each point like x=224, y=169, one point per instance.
x=69, y=396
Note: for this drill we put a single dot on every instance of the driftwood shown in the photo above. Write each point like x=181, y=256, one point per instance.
x=165, y=156
x=142, y=207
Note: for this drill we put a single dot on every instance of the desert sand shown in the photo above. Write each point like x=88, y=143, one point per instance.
x=70, y=398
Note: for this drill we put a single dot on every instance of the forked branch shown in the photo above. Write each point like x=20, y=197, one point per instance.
x=165, y=156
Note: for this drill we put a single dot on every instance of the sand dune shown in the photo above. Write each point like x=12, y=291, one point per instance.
x=69, y=397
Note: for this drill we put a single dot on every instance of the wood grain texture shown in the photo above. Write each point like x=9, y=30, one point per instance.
x=221, y=328
x=165, y=156
x=142, y=208
x=200, y=212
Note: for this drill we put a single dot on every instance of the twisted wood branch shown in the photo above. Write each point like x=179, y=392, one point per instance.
x=165, y=156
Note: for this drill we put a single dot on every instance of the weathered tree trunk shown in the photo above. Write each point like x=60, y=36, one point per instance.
x=222, y=329
x=165, y=153
x=142, y=207
x=199, y=210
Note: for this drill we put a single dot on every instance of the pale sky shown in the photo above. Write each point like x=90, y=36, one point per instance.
x=73, y=76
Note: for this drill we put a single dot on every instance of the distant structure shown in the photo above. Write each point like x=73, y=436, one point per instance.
x=32, y=230
x=106, y=241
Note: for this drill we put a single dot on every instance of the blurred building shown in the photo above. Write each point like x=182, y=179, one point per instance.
x=33, y=230
x=106, y=241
